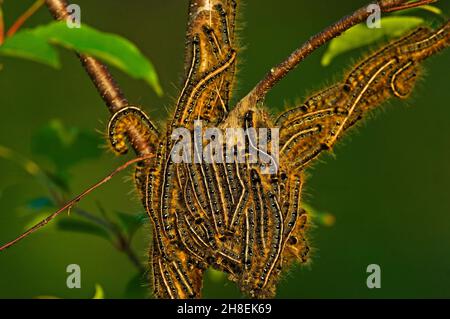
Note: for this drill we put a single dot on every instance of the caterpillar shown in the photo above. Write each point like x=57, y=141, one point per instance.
x=231, y=215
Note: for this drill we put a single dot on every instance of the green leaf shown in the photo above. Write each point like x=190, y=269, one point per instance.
x=35, y=44
x=360, y=35
x=108, y=47
x=81, y=226
x=65, y=146
x=136, y=289
x=28, y=45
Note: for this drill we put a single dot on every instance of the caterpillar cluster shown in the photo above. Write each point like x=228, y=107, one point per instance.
x=229, y=215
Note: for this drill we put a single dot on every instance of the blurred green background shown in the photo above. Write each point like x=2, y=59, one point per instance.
x=388, y=185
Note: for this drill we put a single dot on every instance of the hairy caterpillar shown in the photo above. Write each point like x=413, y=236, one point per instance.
x=231, y=215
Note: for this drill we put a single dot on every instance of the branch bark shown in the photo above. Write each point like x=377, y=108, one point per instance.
x=107, y=87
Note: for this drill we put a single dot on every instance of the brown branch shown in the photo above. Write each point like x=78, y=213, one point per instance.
x=104, y=82
x=258, y=93
x=24, y=17
x=71, y=203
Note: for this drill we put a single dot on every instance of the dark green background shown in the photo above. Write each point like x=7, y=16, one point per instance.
x=388, y=186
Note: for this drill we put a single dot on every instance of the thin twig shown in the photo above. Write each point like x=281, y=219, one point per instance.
x=258, y=93
x=74, y=201
x=24, y=17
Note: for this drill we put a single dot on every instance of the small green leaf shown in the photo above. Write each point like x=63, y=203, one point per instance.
x=35, y=44
x=108, y=47
x=81, y=226
x=361, y=35
x=99, y=292
x=65, y=146
x=28, y=45
x=136, y=289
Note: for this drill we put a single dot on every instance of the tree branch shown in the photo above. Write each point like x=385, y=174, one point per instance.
x=258, y=93
x=104, y=82
x=71, y=203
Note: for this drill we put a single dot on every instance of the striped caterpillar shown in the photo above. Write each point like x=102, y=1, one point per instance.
x=229, y=215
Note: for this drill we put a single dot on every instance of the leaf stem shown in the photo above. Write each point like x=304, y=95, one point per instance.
x=24, y=17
